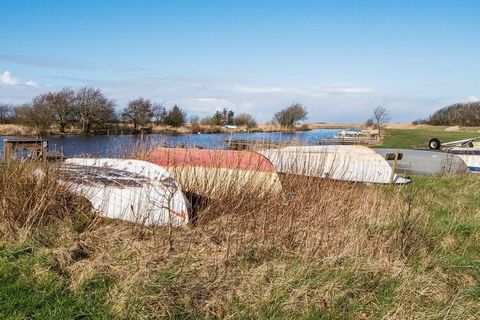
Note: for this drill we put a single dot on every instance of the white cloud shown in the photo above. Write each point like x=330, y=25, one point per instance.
x=473, y=99
x=31, y=83
x=7, y=79
x=344, y=88
x=335, y=102
x=202, y=95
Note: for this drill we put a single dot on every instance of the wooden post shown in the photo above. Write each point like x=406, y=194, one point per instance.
x=394, y=168
x=7, y=150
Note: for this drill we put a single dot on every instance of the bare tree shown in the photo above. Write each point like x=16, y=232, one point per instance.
x=381, y=116
x=159, y=113
x=289, y=116
x=37, y=115
x=369, y=123
x=244, y=119
x=207, y=121
x=6, y=113
x=61, y=105
x=195, y=120
x=138, y=112
x=195, y=123
x=460, y=114
x=94, y=111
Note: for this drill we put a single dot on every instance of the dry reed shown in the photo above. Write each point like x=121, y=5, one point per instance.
x=317, y=243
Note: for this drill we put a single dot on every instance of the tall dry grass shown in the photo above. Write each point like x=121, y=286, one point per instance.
x=29, y=203
x=319, y=248
x=15, y=130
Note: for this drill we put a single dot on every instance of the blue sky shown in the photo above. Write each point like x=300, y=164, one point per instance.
x=339, y=58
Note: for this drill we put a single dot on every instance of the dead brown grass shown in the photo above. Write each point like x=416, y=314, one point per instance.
x=29, y=204
x=240, y=245
x=15, y=130
x=322, y=247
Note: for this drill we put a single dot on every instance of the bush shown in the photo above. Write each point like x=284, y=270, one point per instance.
x=460, y=114
x=288, y=117
x=244, y=119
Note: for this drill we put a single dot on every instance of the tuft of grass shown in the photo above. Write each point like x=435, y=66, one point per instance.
x=30, y=289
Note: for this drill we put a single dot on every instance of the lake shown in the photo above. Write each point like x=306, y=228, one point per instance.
x=122, y=145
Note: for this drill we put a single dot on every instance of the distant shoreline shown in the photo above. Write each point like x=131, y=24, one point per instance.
x=19, y=130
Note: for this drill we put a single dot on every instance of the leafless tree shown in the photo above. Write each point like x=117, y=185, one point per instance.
x=207, y=121
x=369, y=123
x=460, y=114
x=381, y=116
x=37, y=115
x=195, y=123
x=94, y=111
x=244, y=119
x=195, y=120
x=289, y=116
x=159, y=113
x=61, y=105
x=138, y=112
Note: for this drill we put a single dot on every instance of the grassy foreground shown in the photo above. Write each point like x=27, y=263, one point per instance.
x=326, y=251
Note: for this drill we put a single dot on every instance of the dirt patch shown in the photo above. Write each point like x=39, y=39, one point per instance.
x=453, y=129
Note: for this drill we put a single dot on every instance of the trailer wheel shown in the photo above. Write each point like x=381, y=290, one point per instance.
x=434, y=144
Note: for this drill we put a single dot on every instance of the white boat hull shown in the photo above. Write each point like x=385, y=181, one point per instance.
x=471, y=157
x=132, y=190
x=349, y=163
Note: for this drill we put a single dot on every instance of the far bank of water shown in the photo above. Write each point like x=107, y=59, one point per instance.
x=122, y=145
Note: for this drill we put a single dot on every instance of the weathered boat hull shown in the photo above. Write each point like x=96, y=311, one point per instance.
x=424, y=162
x=349, y=163
x=471, y=157
x=132, y=190
x=215, y=173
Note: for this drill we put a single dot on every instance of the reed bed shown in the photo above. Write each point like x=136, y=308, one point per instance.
x=320, y=248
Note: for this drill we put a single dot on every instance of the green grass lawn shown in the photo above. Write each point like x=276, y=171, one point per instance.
x=419, y=137
x=32, y=288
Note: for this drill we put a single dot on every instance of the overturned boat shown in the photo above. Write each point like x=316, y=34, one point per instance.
x=423, y=162
x=132, y=190
x=338, y=162
x=471, y=157
x=465, y=149
x=216, y=173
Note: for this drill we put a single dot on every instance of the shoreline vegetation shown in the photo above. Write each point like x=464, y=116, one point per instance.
x=119, y=129
x=395, y=135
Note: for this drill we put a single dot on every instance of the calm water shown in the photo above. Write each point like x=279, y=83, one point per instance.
x=122, y=145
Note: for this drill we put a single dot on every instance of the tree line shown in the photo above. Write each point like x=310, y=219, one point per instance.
x=86, y=107
x=91, y=112
x=459, y=114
